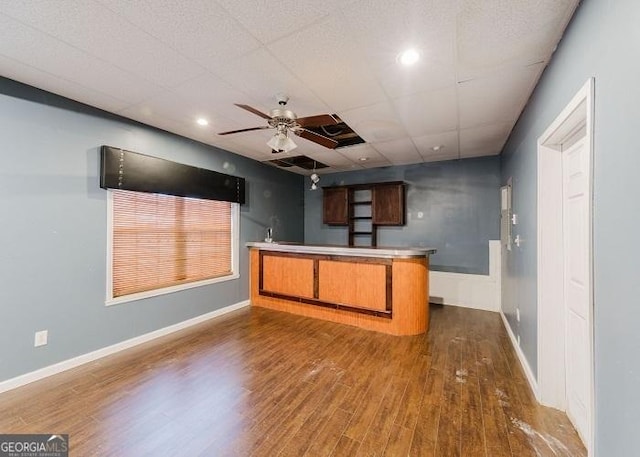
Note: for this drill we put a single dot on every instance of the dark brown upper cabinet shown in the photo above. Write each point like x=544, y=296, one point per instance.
x=335, y=205
x=387, y=202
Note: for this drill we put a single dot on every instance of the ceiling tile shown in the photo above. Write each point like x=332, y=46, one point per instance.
x=485, y=140
x=493, y=32
x=153, y=109
x=428, y=112
x=496, y=98
x=384, y=29
x=377, y=122
x=190, y=28
x=325, y=57
x=205, y=96
x=332, y=158
x=263, y=77
x=269, y=21
x=309, y=148
x=54, y=57
x=399, y=152
x=438, y=145
x=101, y=33
x=359, y=152
x=26, y=74
x=216, y=96
x=167, y=124
x=424, y=76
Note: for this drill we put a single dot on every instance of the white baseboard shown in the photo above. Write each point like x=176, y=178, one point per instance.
x=468, y=290
x=523, y=360
x=98, y=354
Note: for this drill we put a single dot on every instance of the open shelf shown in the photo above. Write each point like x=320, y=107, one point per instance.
x=360, y=218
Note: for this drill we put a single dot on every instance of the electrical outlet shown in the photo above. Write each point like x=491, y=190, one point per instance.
x=41, y=338
x=518, y=314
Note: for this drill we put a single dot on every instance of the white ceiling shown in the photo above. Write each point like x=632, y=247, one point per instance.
x=168, y=62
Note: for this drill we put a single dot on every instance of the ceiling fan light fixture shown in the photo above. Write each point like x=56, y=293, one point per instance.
x=281, y=142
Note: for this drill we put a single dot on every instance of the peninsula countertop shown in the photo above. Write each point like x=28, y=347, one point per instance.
x=384, y=289
x=357, y=251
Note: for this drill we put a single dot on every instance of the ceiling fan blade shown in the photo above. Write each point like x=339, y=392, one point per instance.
x=253, y=110
x=244, y=130
x=316, y=138
x=317, y=121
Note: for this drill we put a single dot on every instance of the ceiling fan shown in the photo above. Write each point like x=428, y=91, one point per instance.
x=285, y=121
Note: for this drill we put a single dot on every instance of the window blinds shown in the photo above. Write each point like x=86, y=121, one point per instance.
x=164, y=240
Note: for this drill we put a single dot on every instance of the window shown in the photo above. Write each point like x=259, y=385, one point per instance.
x=163, y=243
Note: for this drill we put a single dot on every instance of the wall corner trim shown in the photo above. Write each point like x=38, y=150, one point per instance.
x=69, y=364
x=521, y=357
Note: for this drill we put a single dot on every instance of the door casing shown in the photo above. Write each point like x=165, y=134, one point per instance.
x=573, y=123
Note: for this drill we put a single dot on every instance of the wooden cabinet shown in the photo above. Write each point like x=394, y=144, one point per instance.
x=335, y=206
x=387, y=202
x=363, y=207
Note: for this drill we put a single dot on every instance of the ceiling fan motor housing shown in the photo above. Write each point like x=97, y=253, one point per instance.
x=280, y=116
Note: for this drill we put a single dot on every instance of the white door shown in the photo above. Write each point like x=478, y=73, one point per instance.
x=577, y=284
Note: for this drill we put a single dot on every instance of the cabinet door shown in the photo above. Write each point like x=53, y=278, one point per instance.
x=335, y=206
x=388, y=204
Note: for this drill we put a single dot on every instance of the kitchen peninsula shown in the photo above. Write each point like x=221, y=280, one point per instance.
x=375, y=288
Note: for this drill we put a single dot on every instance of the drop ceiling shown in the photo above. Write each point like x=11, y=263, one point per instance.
x=167, y=63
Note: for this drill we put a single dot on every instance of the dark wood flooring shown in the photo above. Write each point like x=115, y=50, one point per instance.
x=265, y=383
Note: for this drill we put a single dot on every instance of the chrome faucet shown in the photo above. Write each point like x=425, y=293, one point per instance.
x=269, y=237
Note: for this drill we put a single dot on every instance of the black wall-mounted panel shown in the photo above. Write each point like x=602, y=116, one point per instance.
x=128, y=170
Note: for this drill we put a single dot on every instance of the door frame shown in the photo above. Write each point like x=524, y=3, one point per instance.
x=575, y=121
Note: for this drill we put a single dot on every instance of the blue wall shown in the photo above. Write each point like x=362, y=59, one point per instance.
x=603, y=41
x=54, y=228
x=453, y=206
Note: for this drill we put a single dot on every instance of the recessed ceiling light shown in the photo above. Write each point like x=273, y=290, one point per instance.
x=437, y=147
x=363, y=159
x=409, y=57
x=202, y=121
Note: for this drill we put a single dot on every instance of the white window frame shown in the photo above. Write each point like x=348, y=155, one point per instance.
x=235, y=263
